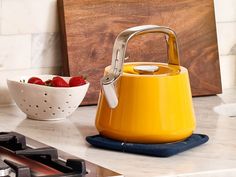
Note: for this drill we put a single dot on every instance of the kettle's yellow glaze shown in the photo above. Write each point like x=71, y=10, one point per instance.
x=152, y=108
x=145, y=102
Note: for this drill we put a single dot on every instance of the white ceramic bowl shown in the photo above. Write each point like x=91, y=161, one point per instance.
x=44, y=102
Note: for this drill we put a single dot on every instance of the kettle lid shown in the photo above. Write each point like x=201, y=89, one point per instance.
x=150, y=68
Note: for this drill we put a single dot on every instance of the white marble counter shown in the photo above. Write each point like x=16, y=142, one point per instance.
x=213, y=159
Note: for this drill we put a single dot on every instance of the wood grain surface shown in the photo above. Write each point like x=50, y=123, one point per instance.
x=90, y=27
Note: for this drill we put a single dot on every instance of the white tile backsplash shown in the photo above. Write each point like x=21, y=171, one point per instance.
x=225, y=10
x=46, y=51
x=29, y=16
x=29, y=40
x=228, y=70
x=15, y=52
x=226, y=33
x=4, y=94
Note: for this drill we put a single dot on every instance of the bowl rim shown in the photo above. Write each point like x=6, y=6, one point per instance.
x=14, y=80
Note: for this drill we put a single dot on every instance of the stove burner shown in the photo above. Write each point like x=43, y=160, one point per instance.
x=19, y=160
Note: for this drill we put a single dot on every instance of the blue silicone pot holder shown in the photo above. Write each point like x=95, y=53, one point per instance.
x=157, y=150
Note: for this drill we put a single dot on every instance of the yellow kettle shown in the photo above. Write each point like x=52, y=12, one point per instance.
x=145, y=102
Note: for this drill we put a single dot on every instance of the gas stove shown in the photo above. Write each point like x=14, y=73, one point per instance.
x=21, y=156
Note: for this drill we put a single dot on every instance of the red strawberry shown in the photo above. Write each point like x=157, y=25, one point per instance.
x=77, y=81
x=59, y=82
x=48, y=82
x=36, y=80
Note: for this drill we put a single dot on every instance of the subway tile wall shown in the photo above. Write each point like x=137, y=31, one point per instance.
x=29, y=40
x=30, y=43
x=225, y=12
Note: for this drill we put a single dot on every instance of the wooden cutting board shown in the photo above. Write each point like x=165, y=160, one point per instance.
x=89, y=28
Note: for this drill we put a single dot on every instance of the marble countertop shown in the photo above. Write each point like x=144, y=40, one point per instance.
x=215, y=158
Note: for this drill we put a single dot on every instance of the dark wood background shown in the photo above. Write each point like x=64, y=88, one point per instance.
x=89, y=28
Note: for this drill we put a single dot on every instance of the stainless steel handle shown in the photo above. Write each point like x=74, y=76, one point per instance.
x=119, y=51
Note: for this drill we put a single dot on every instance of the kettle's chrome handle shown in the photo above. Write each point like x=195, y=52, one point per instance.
x=119, y=51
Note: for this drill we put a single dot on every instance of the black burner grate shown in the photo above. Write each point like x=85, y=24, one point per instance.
x=23, y=161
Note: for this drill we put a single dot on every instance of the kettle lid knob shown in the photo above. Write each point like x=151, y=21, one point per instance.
x=146, y=69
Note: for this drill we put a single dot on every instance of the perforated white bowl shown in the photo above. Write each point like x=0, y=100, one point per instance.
x=44, y=102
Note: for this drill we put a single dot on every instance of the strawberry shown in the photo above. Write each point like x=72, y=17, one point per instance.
x=77, y=81
x=48, y=82
x=36, y=80
x=59, y=82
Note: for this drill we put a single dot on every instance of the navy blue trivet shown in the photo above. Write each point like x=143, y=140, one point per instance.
x=157, y=150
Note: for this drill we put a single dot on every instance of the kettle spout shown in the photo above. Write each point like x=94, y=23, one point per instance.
x=107, y=83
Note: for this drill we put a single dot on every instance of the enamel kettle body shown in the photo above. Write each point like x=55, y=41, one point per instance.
x=145, y=102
